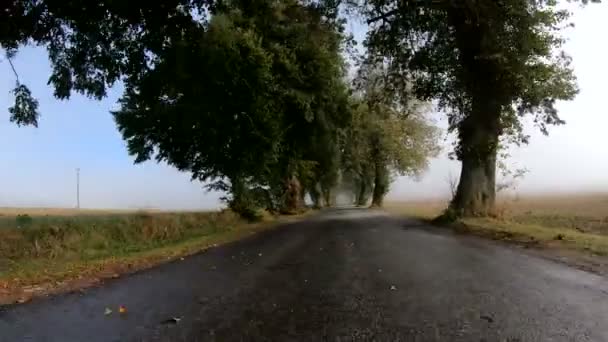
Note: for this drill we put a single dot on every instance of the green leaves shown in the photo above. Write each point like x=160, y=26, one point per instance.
x=507, y=51
x=25, y=110
x=241, y=102
x=388, y=135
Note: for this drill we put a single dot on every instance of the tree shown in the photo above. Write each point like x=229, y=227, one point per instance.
x=386, y=137
x=357, y=154
x=486, y=64
x=239, y=103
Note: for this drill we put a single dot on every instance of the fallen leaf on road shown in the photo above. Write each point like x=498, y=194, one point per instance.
x=31, y=289
x=487, y=318
x=172, y=320
x=107, y=311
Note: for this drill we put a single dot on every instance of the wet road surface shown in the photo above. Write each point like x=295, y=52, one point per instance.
x=344, y=275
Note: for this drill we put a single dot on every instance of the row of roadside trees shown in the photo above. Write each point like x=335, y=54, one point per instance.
x=253, y=98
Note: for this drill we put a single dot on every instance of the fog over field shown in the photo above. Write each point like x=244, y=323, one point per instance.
x=574, y=157
x=39, y=164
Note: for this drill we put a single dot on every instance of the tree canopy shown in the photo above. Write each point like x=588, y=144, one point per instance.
x=93, y=44
x=253, y=96
x=241, y=104
x=486, y=64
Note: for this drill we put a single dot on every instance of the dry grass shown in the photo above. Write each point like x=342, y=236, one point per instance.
x=576, y=221
x=51, y=252
x=10, y=211
x=90, y=237
x=422, y=209
x=590, y=205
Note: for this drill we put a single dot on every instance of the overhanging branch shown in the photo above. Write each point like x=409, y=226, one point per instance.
x=10, y=62
x=382, y=16
x=429, y=4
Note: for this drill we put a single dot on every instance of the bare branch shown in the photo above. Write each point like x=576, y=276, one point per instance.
x=382, y=16
x=10, y=61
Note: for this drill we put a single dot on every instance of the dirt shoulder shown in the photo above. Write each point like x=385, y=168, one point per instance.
x=584, y=251
x=571, y=230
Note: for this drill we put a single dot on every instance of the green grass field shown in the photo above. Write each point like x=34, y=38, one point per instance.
x=575, y=221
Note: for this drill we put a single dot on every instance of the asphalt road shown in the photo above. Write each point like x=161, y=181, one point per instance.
x=345, y=275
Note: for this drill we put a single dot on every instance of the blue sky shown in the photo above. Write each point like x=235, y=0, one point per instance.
x=39, y=163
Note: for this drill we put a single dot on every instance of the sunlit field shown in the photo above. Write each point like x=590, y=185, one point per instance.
x=575, y=220
x=583, y=211
x=6, y=211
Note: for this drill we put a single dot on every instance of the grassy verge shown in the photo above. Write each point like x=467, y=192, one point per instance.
x=533, y=234
x=48, y=254
x=577, y=222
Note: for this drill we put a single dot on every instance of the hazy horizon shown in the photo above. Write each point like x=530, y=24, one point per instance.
x=39, y=163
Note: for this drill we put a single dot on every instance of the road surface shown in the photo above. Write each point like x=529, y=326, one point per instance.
x=344, y=275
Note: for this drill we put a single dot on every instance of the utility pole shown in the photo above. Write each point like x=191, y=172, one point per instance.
x=77, y=188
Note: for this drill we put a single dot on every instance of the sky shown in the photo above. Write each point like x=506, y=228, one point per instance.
x=39, y=164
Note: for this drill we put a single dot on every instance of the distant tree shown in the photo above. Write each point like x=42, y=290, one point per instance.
x=386, y=137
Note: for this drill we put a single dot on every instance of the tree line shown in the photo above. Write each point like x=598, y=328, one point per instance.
x=255, y=97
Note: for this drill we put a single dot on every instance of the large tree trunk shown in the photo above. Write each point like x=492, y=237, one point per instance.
x=292, y=203
x=380, y=184
x=476, y=192
x=479, y=134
